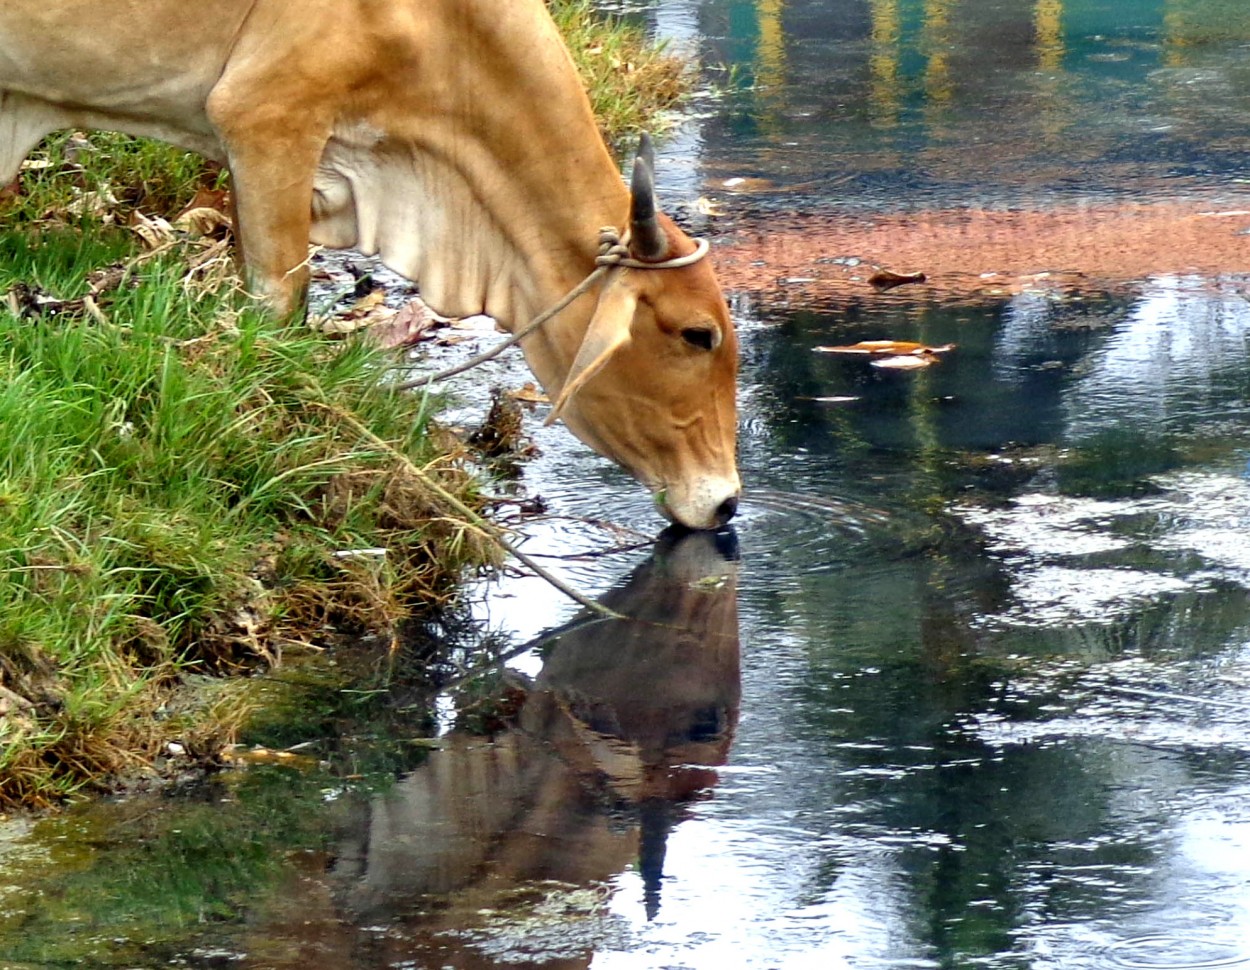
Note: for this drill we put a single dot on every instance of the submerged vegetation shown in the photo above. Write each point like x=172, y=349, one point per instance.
x=186, y=486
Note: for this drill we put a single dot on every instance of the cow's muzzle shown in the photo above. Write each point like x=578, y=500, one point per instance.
x=704, y=509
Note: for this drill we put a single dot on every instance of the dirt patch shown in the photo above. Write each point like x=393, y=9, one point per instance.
x=969, y=254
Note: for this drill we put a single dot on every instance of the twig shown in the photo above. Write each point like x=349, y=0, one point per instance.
x=596, y=553
x=93, y=310
x=467, y=674
x=11, y=697
x=1163, y=695
x=492, y=532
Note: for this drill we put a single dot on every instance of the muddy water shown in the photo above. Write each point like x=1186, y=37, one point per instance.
x=969, y=684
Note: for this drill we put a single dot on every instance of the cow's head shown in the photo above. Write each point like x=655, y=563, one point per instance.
x=653, y=384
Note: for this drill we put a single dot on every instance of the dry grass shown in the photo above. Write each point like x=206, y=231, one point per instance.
x=632, y=81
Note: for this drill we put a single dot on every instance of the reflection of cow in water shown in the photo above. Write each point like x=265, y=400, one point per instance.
x=627, y=719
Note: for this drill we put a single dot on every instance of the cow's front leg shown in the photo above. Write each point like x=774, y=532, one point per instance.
x=272, y=189
x=23, y=122
x=273, y=158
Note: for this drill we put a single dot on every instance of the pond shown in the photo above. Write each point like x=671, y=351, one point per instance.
x=968, y=683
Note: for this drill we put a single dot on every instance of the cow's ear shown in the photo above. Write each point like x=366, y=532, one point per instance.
x=608, y=331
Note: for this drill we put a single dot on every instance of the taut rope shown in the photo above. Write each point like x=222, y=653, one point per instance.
x=613, y=254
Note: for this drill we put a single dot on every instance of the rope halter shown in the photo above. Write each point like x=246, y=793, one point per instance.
x=614, y=252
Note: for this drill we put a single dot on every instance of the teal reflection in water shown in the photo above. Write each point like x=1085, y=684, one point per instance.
x=923, y=101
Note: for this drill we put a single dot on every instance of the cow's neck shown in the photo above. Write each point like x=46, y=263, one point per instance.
x=509, y=250
x=486, y=186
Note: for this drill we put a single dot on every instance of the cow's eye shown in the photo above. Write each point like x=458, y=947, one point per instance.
x=702, y=337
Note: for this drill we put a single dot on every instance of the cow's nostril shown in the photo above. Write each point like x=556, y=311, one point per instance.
x=727, y=510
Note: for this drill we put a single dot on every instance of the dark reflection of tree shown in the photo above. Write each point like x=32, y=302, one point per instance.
x=992, y=840
x=625, y=724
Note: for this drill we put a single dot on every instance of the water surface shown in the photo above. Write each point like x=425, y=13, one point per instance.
x=967, y=684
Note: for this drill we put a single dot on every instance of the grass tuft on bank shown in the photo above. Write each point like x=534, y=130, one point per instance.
x=182, y=490
x=632, y=80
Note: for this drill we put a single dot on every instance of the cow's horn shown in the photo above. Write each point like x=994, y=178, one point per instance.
x=647, y=240
x=646, y=150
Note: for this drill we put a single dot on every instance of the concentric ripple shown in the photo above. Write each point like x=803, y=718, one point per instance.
x=1176, y=953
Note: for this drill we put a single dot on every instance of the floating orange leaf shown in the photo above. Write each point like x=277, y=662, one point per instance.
x=886, y=348
x=885, y=279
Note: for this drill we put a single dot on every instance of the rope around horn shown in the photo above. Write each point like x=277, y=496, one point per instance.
x=613, y=254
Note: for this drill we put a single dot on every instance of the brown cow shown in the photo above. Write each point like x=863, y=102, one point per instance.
x=450, y=137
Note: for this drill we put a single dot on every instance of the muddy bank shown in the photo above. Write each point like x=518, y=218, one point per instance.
x=968, y=254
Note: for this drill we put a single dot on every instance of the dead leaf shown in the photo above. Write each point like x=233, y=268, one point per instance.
x=76, y=147
x=202, y=221
x=368, y=312
x=208, y=214
x=12, y=190
x=529, y=394
x=98, y=204
x=740, y=184
x=257, y=755
x=153, y=230
x=706, y=207
x=884, y=279
x=886, y=348
x=12, y=701
x=206, y=198
x=366, y=303
x=411, y=324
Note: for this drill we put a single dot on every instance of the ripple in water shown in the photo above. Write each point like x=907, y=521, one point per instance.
x=846, y=517
x=812, y=532
x=1176, y=953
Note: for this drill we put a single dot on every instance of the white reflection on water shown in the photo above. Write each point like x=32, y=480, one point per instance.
x=1196, y=527
x=1202, y=917
x=1174, y=343
x=1159, y=359
x=743, y=895
x=1059, y=596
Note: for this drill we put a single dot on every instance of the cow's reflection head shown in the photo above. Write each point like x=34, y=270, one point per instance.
x=628, y=719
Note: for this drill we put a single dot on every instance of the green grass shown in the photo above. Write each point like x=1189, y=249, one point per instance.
x=631, y=79
x=174, y=485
